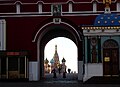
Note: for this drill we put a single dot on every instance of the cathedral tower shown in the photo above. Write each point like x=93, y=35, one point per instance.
x=56, y=57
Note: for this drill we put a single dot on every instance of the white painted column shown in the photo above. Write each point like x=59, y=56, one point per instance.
x=40, y=7
x=33, y=71
x=80, y=70
x=19, y=67
x=25, y=67
x=0, y=68
x=118, y=6
x=119, y=52
x=17, y=7
x=94, y=6
x=2, y=34
x=70, y=6
x=93, y=69
x=7, y=67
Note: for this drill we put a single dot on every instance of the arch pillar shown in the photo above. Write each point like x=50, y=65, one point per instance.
x=80, y=60
x=48, y=32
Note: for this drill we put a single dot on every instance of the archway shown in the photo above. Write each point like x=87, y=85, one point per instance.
x=110, y=58
x=60, y=48
x=50, y=31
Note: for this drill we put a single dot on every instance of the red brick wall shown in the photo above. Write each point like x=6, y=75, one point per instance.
x=29, y=8
x=21, y=31
x=7, y=9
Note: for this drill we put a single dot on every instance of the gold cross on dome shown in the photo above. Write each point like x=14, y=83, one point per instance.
x=107, y=3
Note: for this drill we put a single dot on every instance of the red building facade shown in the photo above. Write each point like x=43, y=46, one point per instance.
x=29, y=24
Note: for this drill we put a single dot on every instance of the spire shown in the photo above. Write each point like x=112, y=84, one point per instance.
x=56, y=57
x=55, y=48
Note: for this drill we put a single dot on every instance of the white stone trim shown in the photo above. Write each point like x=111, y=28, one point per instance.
x=55, y=2
x=94, y=6
x=40, y=13
x=2, y=34
x=56, y=20
x=70, y=4
x=33, y=71
x=40, y=30
x=107, y=10
x=52, y=23
x=58, y=2
x=25, y=67
x=101, y=32
x=18, y=8
x=40, y=7
x=118, y=6
x=36, y=14
x=92, y=69
x=44, y=3
x=7, y=67
x=80, y=70
x=73, y=29
x=0, y=68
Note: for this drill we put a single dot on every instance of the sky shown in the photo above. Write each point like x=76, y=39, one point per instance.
x=66, y=48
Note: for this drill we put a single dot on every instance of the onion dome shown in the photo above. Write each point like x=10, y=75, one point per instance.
x=46, y=61
x=63, y=60
x=107, y=20
x=52, y=61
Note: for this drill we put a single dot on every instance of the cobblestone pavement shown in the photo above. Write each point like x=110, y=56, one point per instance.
x=54, y=84
x=69, y=76
x=69, y=81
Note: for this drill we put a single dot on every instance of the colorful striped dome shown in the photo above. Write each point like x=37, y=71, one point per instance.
x=52, y=61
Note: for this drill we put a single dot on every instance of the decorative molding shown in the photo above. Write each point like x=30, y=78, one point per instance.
x=40, y=30
x=40, y=7
x=56, y=2
x=18, y=7
x=56, y=20
x=107, y=10
x=101, y=28
x=41, y=13
x=36, y=14
x=70, y=4
x=118, y=6
x=94, y=6
x=52, y=23
x=100, y=32
x=2, y=34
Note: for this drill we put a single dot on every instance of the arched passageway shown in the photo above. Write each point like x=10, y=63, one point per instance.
x=60, y=54
x=50, y=31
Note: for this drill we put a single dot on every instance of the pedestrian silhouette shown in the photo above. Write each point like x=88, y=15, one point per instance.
x=54, y=73
x=64, y=74
x=59, y=69
x=69, y=70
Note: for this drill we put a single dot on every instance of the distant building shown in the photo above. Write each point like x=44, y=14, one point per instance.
x=55, y=64
x=46, y=66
